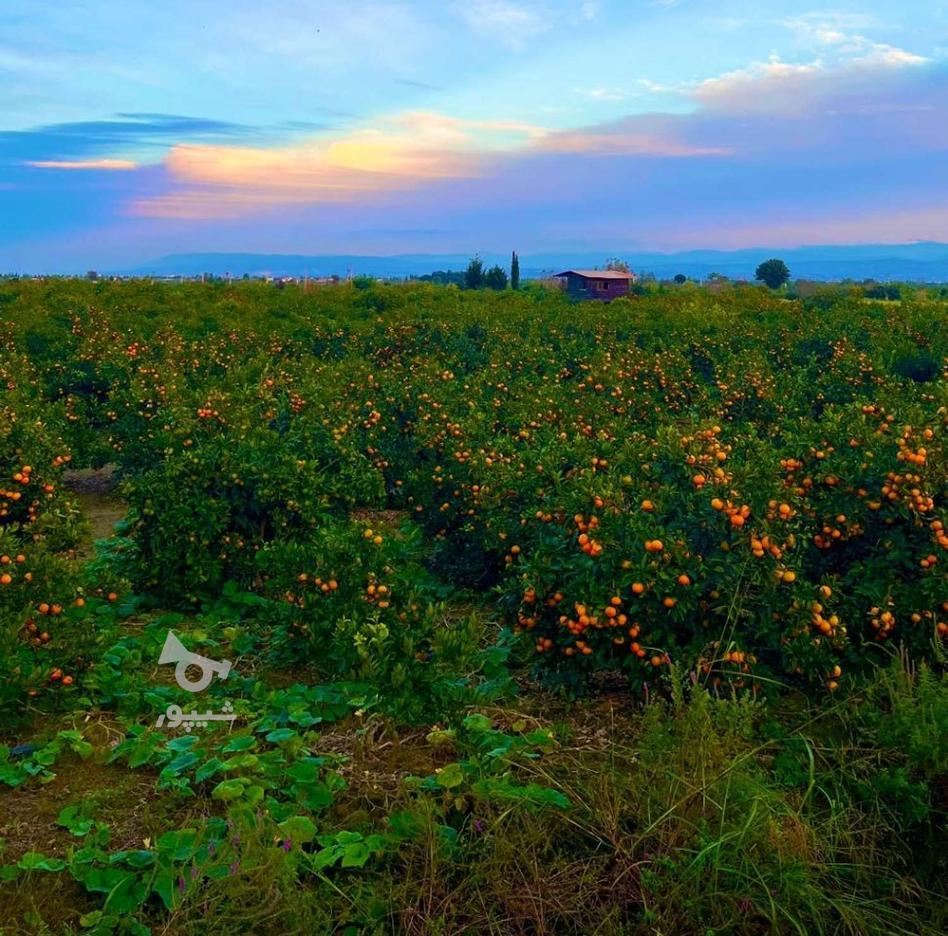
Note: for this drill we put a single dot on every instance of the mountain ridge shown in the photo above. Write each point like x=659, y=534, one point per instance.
x=925, y=261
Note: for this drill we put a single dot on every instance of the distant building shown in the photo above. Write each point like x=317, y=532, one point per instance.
x=597, y=284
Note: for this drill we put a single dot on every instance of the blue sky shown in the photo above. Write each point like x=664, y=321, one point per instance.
x=133, y=129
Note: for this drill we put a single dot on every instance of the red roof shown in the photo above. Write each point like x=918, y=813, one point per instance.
x=597, y=274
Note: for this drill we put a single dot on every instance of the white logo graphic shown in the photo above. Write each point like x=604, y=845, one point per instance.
x=190, y=720
x=175, y=652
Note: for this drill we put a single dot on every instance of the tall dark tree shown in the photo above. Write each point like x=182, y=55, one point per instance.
x=474, y=277
x=681, y=279
x=773, y=272
x=495, y=278
x=514, y=271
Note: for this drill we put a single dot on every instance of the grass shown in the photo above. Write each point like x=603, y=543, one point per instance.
x=692, y=815
x=683, y=820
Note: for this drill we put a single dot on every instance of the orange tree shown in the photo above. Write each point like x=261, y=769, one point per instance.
x=747, y=486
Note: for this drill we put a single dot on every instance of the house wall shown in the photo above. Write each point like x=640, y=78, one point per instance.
x=582, y=288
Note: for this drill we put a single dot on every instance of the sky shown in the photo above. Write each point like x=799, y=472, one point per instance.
x=132, y=129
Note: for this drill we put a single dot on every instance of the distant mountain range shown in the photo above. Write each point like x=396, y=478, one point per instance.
x=918, y=262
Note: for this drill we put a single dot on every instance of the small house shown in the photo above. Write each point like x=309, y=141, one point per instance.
x=597, y=284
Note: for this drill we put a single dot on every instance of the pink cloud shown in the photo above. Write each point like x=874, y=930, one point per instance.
x=402, y=152
x=616, y=141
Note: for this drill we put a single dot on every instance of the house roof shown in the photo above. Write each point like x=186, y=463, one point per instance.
x=597, y=274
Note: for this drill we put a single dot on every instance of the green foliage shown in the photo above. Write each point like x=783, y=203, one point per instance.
x=474, y=276
x=774, y=273
x=495, y=278
x=389, y=506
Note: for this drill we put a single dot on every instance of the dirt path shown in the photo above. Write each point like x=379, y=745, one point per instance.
x=94, y=489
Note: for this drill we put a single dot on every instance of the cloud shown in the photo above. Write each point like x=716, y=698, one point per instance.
x=402, y=152
x=504, y=21
x=761, y=87
x=589, y=10
x=840, y=113
x=602, y=94
x=651, y=137
x=878, y=53
x=421, y=85
x=128, y=134
x=119, y=164
x=835, y=30
x=776, y=86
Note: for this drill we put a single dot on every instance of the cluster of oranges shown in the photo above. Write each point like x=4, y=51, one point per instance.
x=738, y=514
x=6, y=578
x=587, y=543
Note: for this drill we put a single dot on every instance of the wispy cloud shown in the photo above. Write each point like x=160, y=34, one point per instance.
x=116, y=164
x=589, y=10
x=631, y=137
x=504, y=21
x=837, y=30
x=602, y=94
x=761, y=86
x=126, y=136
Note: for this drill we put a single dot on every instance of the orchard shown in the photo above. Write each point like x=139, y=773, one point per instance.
x=420, y=502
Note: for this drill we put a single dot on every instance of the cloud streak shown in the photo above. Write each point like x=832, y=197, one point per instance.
x=86, y=164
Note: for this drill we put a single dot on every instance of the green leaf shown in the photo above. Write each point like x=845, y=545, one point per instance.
x=207, y=770
x=313, y=797
x=326, y=858
x=241, y=761
x=298, y=829
x=477, y=723
x=36, y=861
x=136, y=858
x=303, y=772
x=228, y=790
x=178, y=844
x=127, y=894
x=163, y=886
x=279, y=735
x=239, y=743
x=71, y=818
x=356, y=855
x=182, y=762
x=450, y=776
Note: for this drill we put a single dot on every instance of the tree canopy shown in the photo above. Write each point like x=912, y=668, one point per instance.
x=773, y=272
x=474, y=277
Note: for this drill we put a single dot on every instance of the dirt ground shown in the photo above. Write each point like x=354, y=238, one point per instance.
x=95, y=490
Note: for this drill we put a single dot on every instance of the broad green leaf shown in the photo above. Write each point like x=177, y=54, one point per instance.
x=450, y=776
x=36, y=861
x=298, y=829
x=279, y=735
x=228, y=790
x=355, y=855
